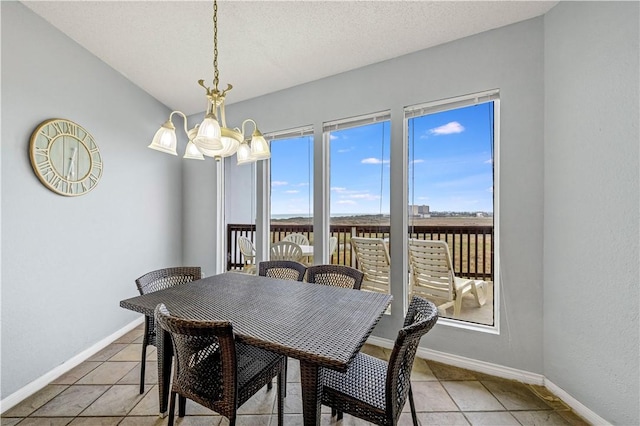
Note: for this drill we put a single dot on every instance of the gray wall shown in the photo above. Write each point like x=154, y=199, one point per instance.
x=591, y=204
x=68, y=261
x=510, y=59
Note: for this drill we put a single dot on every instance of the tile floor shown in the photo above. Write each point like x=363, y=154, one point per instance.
x=104, y=391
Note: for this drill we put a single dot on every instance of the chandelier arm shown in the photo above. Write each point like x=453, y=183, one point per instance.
x=255, y=126
x=184, y=120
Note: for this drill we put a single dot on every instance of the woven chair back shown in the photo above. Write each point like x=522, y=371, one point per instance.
x=206, y=366
x=421, y=317
x=167, y=277
x=282, y=269
x=286, y=250
x=335, y=275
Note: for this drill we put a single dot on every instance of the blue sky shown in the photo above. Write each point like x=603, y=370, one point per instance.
x=449, y=166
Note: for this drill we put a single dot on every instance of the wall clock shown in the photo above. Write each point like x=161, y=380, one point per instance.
x=65, y=157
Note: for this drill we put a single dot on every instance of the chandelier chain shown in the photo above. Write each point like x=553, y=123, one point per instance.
x=215, y=45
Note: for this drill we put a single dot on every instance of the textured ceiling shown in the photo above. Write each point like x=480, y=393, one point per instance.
x=165, y=47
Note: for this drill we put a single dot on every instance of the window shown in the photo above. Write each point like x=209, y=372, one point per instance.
x=291, y=183
x=359, y=178
x=451, y=184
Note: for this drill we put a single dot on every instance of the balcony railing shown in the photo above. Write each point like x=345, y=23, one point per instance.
x=471, y=246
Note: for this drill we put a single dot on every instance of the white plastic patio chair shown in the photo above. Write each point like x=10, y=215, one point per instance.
x=297, y=238
x=433, y=277
x=248, y=251
x=285, y=250
x=373, y=260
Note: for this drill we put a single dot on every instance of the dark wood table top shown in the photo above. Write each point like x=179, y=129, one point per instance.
x=314, y=323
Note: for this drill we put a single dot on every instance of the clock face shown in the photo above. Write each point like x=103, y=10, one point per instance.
x=65, y=157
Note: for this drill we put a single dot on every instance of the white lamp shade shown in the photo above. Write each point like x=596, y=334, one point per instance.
x=259, y=147
x=192, y=152
x=244, y=154
x=208, y=137
x=165, y=139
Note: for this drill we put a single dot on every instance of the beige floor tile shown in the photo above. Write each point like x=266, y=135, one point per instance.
x=430, y=396
x=72, y=401
x=148, y=405
x=107, y=374
x=131, y=336
x=515, y=396
x=375, y=351
x=133, y=376
x=95, y=421
x=108, y=352
x=144, y=421
x=46, y=421
x=263, y=402
x=448, y=372
x=539, y=418
x=117, y=401
x=449, y=419
x=6, y=421
x=76, y=373
x=130, y=352
x=472, y=396
x=248, y=420
x=293, y=370
x=35, y=401
x=421, y=371
x=491, y=418
x=199, y=420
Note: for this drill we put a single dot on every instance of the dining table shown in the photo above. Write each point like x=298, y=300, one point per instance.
x=321, y=326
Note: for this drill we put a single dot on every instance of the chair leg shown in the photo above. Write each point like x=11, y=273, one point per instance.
x=413, y=407
x=172, y=407
x=182, y=406
x=145, y=343
x=476, y=288
x=457, y=305
x=286, y=363
x=142, y=367
x=333, y=412
x=282, y=386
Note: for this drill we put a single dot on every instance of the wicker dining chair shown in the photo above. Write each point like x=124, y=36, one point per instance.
x=154, y=281
x=371, y=388
x=335, y=275
x=282, y=269
x=214, y=370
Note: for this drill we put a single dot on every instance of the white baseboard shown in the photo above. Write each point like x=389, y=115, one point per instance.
x=575, y=405
x=504, y=372
x=42, y=381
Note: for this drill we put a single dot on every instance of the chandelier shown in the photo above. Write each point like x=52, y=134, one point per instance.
x=212, y=137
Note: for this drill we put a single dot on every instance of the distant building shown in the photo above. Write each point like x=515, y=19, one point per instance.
x=419, y=211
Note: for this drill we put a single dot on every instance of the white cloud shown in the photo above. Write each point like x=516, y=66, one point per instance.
x=417, y=161
x=303, y=184
x=372, y=160
x=365, y=196
x=489, y=161
x=292, y=191
x=490, y=189
x=341, y=151
x=338, y=189
x=351, y=202
x=279, y=183
x=333, y=137
x=447, y=129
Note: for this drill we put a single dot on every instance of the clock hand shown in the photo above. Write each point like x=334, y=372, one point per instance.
x=71, y=172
